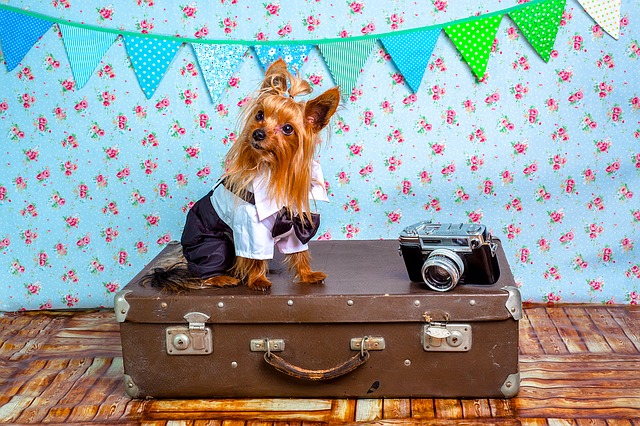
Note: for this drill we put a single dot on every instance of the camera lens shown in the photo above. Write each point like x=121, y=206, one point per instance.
x=442, y=270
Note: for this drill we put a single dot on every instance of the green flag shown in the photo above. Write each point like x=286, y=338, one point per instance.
x=474, y=40
x=539, y=24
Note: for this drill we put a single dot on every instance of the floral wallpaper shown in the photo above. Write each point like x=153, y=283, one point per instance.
x=95, y=181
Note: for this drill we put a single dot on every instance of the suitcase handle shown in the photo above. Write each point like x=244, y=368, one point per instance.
x=286, y=367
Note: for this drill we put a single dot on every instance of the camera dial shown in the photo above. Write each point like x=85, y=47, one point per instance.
x=442, y=269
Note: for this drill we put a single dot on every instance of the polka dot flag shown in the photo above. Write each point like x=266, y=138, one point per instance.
x=606, y=13
x=19, y=33
x=293, y=54
x=474, y=39
x=539, y=24
x=345, y=60
x=411, y=53
x=150, y=58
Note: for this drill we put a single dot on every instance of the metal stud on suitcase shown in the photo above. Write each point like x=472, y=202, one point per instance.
x=367, y=332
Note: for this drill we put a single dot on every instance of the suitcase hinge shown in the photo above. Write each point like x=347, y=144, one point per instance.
x=446, y=337
x=194, y=339
x=266, y=345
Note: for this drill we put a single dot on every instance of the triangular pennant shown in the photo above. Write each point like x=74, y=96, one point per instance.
x=606, y=13
x=411, y=53
x=345, y=60
x=85, y=48
x=218, y=62
x=539, y=24
x=293, y=54
x=19, y=33
x=474, y=40
x=150, y=58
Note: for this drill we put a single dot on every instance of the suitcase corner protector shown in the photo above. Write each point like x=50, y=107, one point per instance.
x=514, y=302
x=121, y=306
x=130, y=387
x=511, y=385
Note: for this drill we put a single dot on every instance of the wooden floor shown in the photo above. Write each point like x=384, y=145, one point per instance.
x=580, y=365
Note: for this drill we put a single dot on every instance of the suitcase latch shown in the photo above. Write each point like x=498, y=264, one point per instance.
x=446, y=337
x=194, y=339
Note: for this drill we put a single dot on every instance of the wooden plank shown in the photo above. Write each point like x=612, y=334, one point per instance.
x=588, y=331
x=566, y=330
x=591, y=422
x=423, y=408
x=546, y=331
x=529, y=343
x=10, y=411
x=396, y=409
x=579, y=392
x=24, y=373
x=240, y=409
x=448, y=408
x=368, y=410
x=561, y=422
x=475, y=408
x=343, y=410
x=502, y=407
x=534, y=422
x=618, y=422
x=630, y=326
x=46, y=406
x=573, y=408
x=84, y=397
x=611, y=331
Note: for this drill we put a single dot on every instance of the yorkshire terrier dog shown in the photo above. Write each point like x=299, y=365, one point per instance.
x=262, y=201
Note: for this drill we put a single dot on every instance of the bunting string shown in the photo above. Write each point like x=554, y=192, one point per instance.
x=410, y=50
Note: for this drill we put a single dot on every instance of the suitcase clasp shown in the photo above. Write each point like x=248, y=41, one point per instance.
x=446, y=337
x=194, y=339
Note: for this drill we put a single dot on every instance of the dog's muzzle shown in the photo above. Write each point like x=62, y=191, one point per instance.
x=258, y=136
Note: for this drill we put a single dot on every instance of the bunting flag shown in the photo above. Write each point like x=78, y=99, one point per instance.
x=539, y=24
x=85, y=49
x=345, y=60
x=293, y=54
x=411, y=53
x=150, y=58
x=474, y=40
x=19, y=33
x=410, y=50
x=606, y=13
x=218, y=62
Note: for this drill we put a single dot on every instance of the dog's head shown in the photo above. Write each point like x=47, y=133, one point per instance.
x=280, y=135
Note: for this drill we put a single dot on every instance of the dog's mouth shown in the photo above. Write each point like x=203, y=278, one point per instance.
x=256, y=145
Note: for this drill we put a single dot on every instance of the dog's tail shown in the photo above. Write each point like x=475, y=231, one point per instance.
x=175, y=278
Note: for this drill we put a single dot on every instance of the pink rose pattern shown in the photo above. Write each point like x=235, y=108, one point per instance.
x=96, y=181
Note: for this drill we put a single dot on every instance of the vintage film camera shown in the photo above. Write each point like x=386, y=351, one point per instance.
x=444, y=254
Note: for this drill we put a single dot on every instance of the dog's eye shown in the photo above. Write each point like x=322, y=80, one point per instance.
x=260, y=116
x=287, y=129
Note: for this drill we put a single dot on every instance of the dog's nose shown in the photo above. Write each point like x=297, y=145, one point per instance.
x=259, y=135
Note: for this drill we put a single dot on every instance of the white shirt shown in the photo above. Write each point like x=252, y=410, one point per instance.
x=252, y=224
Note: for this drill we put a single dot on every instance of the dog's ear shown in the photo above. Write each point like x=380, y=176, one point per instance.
x=276, y=78
x=318, y=111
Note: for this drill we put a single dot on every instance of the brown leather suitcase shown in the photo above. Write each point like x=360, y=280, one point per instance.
x=367, y=332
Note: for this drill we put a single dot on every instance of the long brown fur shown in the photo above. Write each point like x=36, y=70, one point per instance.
x=286, y=158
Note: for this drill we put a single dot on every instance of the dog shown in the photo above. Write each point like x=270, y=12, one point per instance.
x=262, y=200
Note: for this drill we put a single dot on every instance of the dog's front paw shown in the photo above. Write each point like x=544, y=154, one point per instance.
x=222, y=281
x=313, y=277
x=259, y=284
